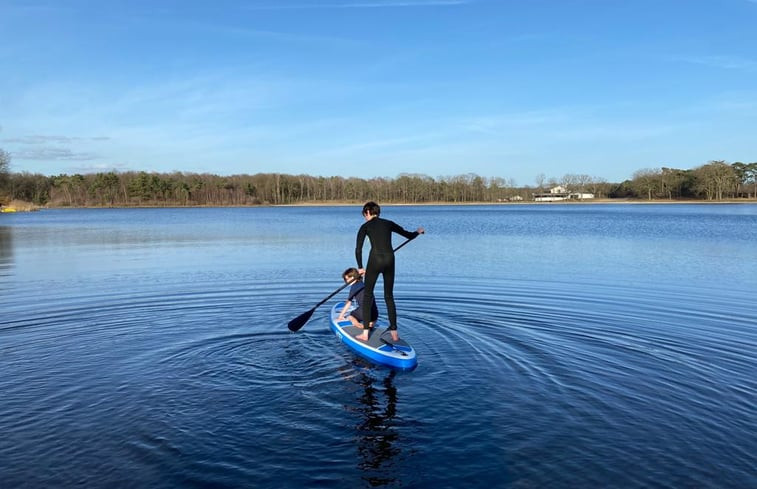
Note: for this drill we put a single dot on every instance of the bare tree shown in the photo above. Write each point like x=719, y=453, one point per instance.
x=646, y=181
x=583, y=181
x=671, y=182
x=752, y=176
x=5, y=163
x=540, y=179
x=715, y=179
x=569, y=181
x=598, y=186
x=746, y=174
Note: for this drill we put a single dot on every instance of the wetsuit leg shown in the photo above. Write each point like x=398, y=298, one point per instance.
x=382, y=263
x=371, y=275
x=391, y=309
x=357, y=314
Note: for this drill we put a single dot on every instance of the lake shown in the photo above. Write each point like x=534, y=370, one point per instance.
x=558, y=345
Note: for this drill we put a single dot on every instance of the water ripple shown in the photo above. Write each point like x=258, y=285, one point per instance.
x=188, y=386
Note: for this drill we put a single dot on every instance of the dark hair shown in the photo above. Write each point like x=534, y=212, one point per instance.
x=371, y=208
x=352, y=273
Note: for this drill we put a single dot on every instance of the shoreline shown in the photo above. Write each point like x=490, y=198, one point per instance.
x=17, y=206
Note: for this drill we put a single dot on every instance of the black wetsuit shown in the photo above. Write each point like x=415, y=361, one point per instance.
x=357, y=294
x=380, y=261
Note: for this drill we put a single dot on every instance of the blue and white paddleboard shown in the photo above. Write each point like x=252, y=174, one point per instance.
x=379, y=348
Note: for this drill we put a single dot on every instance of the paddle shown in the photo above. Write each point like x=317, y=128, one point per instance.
x=298, y=322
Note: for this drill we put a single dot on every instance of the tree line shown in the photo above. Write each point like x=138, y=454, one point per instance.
x=715, y=180
x=191, y=189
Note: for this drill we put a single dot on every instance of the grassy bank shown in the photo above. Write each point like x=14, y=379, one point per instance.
x=19, y=206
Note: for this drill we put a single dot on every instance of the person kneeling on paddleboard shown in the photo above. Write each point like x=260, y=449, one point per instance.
x=356, y=294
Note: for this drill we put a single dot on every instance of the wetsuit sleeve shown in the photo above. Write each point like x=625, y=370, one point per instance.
x=404, y=232
x=361, y=233
x=355, y=290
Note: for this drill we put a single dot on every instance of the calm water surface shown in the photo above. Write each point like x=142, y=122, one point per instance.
x=559, y=346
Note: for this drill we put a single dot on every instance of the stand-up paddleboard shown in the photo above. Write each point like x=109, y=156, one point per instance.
x=379, y=348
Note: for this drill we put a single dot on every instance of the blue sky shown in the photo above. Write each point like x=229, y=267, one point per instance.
x=368, y=88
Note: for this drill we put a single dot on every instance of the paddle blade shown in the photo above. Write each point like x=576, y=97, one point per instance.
x=298, y=322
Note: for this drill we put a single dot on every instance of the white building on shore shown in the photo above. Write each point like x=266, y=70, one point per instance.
x=559, y=193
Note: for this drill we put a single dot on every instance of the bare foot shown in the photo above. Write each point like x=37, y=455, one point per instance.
x=362, y=337
x=395, y=335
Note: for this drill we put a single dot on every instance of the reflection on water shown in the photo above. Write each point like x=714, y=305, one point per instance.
x=6, y=250
x=377, y=437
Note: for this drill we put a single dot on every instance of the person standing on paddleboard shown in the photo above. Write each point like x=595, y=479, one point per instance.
x=380, y=261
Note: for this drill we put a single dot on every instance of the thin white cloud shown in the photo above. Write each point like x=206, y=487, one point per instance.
x=378, y=144
x=45, y=139
x=51, y=153
x=367, y=4
x=39, y=147
x=211, y=28
x=496, y=124
x=97, y=168
x=734, y=103
x=723, y=62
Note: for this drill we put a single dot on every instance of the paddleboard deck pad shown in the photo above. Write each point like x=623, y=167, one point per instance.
x=379, y=348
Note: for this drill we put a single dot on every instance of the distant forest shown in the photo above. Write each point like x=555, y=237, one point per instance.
x=716, y=180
